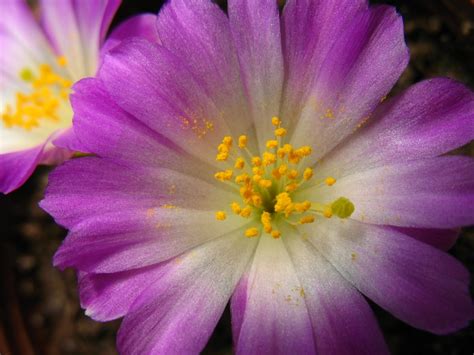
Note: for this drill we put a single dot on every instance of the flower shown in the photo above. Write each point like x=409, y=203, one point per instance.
x=255, y=158
x=39, y=65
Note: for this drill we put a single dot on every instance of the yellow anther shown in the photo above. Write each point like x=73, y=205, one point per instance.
x=283, y=199
x=307, y=174
x=291, y=187
x=289, y=209
x=268, y=158
x=282, y=169
x=246, y=212
x=257, y=161
x=272, y=143
x=256, y=200
x=302, y=206
x=242, y=178
x=256, y=178
x=305, y=150
x=327, y=212
x=307, y=219
x=243, y=141
x=222, y=156
x=227, y=140
x=265, y=183
x=330, y=181
x=220, y=215
x=235, y=207
x=275, y=234
x=251, y=232
x=239, y=163
x=292, y=174
x=280, y=132
x=276, y=121
x=257, y=171
x=276, y=174
x=266, y=220
x=62, y=61
x=224, y=175
x=223, y=148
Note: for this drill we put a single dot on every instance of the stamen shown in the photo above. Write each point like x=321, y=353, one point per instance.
x=251, y=232
x=330, y=181
x=220, y=215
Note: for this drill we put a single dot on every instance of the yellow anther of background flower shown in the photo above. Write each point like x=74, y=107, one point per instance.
x=330, y=181
x=251, y=232
x=220, y=215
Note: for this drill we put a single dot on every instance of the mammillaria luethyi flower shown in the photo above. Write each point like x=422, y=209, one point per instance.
x=254, y=157
x=39, y=62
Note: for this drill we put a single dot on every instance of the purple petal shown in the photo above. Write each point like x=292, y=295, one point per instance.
x=178, y=312
x=419, y=284
x=269, y=313
x=109, y=296
x=199, y=33
x=154, y=85
x=17, y=167
x=255, y=27
x=430, y=193
x=443, y=239
x=427, y=120
x=76, y=29
x=143, y=26
x=359, y=70
x=343, y=323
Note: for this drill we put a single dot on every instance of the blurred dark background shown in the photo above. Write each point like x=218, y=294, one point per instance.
x=39, y=308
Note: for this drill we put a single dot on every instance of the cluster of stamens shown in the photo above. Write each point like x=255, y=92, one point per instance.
x=48, y=89
x=266, y=184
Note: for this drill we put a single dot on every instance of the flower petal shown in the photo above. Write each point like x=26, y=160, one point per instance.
x=255, y=27
x=359, y=70
x=342, y=320
x=143, y=26
x=427, y=120
x=76, y=29
x=154, y=85
x=419, y=284
x=199, y=33
x=269, y=313
x=443, y=239
x=191, y=295
x=430, y=193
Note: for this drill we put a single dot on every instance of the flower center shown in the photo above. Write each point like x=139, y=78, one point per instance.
x=48, y=91
x=267, y=184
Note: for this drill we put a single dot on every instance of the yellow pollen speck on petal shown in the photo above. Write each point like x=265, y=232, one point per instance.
x=307, y=174
x=251, y=232
x=239, y=163
x=235, y=207
x=280, y=132
x=243, y=141
x=307, y=219
x=272, y=144
x=330, y=181
x=275, y=234
x=276, y=121
x=62, y=61
x=220, y=215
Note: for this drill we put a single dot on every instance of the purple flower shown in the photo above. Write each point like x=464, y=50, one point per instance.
x=39, y=63
x=254, y=158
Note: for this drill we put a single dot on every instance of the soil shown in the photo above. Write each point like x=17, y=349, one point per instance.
x=39, y=307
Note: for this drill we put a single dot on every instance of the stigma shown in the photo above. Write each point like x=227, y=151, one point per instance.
x=48, y=91
x=267, y=184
